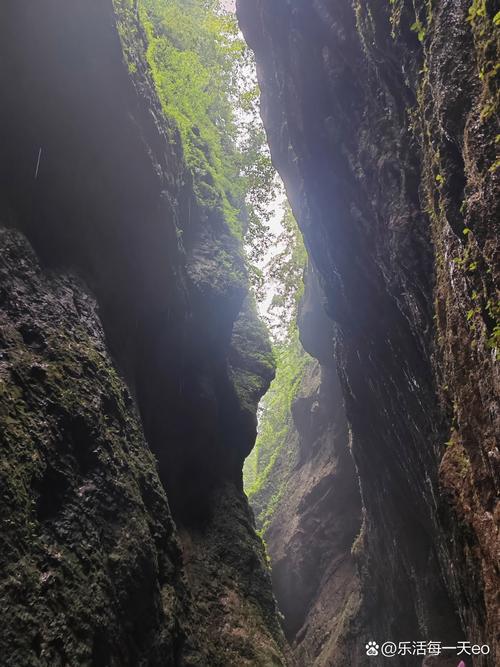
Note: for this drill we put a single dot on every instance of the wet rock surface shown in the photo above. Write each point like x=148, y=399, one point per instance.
x=383, y=120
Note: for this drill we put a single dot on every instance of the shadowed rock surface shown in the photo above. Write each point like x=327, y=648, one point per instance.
x=383, y=121
x=132, y=361
x=125, y=334
x=313, y=528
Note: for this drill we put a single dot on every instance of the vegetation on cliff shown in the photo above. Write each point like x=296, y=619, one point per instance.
x=132, y=358
x=263, y=477
x=204, y=75
x=262, y=483
x=100, y=577
x=383, y=118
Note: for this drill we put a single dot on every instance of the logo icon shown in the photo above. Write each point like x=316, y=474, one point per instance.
x=372, y=648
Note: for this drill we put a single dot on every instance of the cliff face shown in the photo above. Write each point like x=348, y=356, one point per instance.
x=131, y=364
x=382, y=120
x=91, y=567
x=318, y=517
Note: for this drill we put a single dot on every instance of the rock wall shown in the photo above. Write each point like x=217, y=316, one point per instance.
x=313, y=527
x=131, y=364
x=383, y=121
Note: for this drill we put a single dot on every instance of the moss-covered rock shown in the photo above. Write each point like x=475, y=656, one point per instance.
x=251, y=361
x=91, y=565
x=113, y=402
x=382, y=119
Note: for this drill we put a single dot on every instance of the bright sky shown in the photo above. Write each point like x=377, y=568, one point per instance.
x=276, y=209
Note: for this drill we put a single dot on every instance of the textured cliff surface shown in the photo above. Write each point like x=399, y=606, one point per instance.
x=310, y=526
x=131, y=366
x=383, y=121
x=91, y=567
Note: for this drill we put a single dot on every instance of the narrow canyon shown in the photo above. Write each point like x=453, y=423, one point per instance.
x=186, y=481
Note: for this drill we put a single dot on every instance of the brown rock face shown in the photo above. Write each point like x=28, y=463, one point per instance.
x=382, y=120
x=309, y=539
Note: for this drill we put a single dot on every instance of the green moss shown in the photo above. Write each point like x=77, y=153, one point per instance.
x=192, y=51
x=83, y=513
x=263, y=484
x=484, y=27
x=493, y=312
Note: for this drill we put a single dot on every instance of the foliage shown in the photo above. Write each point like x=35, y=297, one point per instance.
x=262, y=483
x=255, y=164
x=476, y=10
x=281, y=276
x=419, y=29
x=203, y=69
x=287, y=271
x=266, y=469
x=205, y=78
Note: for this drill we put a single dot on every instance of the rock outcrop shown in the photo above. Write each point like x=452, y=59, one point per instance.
x=383, y=122
x=131, y=364
x=313, y=527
